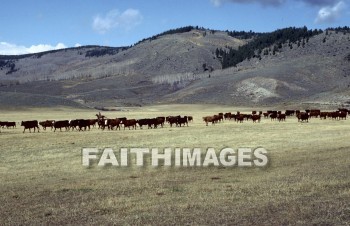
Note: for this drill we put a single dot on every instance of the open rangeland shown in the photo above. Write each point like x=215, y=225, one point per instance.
x=306, y=182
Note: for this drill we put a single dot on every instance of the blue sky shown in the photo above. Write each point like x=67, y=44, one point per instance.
x=29, y=26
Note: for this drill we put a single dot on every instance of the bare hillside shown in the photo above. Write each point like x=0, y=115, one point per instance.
x=169, y=54
x=319, y=73
x=183, y=68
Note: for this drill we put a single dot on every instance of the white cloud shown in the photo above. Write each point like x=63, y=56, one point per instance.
x=216, y=2
x=114, y=19
x=13, y=49
x=329, y=14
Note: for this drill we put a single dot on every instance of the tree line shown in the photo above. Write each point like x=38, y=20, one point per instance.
x=262, y=42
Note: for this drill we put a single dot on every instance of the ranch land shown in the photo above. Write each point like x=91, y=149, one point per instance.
x=306, y=182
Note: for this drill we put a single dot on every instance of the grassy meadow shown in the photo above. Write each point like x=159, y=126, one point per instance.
x=306, y=182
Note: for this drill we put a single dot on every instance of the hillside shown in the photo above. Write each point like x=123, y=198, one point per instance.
x=182, y=67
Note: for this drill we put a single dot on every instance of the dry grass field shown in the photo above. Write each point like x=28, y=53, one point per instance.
x=307, y=180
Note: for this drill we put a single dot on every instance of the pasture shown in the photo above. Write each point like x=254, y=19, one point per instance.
x=307, y=180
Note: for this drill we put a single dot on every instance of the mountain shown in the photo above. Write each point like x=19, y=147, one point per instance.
x=185, y=66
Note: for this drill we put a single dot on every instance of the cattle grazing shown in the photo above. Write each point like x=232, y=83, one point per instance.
x=61, y=124
x=342, y=114
x=47, y=123
x=10, y=124
x=227, y=115
x=290, y=112
x=281, y=117
x=323, y=115
x=152, y=122
x=190, y=118
x=160, y=121
x=220, y=117
x=273, y=116
x=122, y=119
x=111, y=123
x=30, y=125
x=240, y=118
x=208, y=119
x=266, y=114
x=233, y=116
x=303, y=116
x=181, y=121
x=143, y=122
x=344, y=110
x=73, y=124
x=83, y=123
x=129, y=123
x=314, y=113
x=256, y=118
x=247, y=116
x=3, y=124
x=172, y=120
x=92, y=122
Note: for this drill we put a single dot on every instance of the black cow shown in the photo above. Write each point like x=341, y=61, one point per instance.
x=10, y=124
x=29, y=125
x=61, y=124
x=303, y=116
x=3, y=124
x=83, y=123
x=183, y=121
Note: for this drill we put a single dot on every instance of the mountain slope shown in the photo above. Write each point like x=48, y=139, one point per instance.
x=183, y=68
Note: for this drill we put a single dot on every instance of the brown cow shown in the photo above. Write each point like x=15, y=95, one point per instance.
x=281, y=117
x=256, y=118
x=220, y=117
x=208, y=119
x=129, y=123
x=240, y=118
x=227, y=115
x=111, y=123
x=160, y=121
x=266, y=114
x=47, y=123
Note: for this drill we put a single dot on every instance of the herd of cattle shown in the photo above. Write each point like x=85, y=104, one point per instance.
x=102, y=122
x=255, y=116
